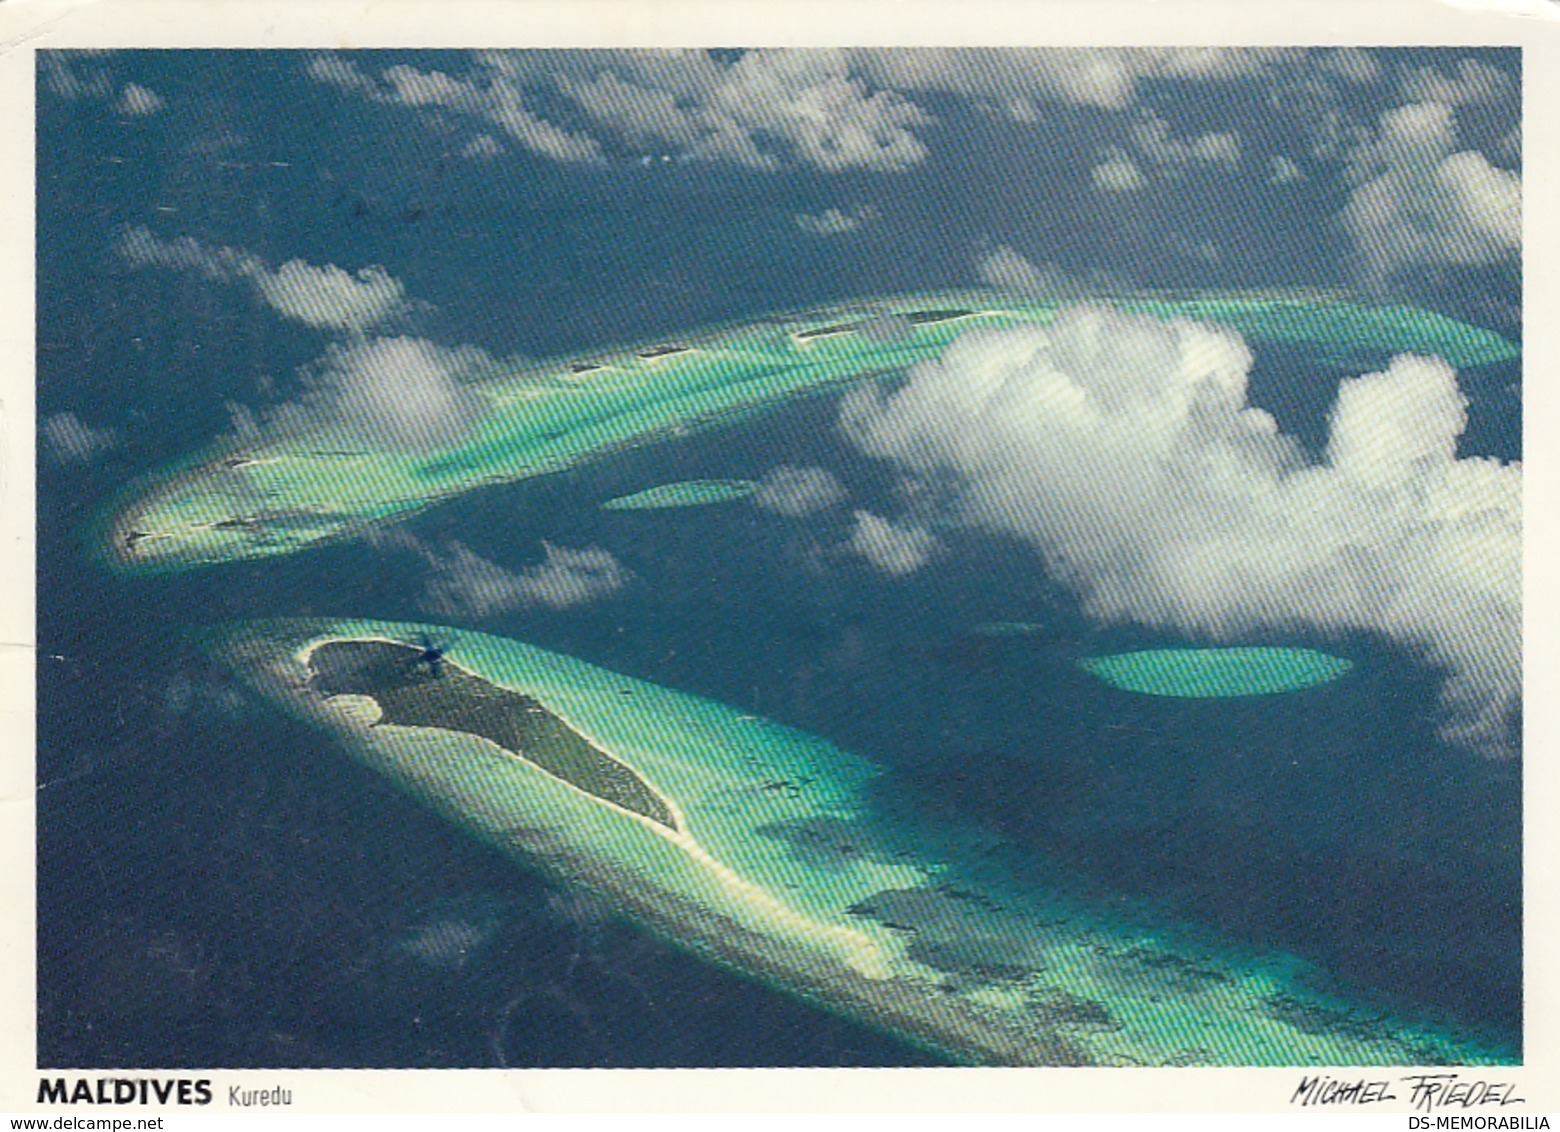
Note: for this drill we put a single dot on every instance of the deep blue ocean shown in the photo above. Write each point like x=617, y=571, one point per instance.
x=220, y=886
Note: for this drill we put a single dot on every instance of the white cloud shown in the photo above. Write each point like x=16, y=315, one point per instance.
x=1471, y=82
x=140, y=247
x=1417, y=201
x=71, y=440
x=1355, y=64
x=571, y=577
x=328, y=297
x=763, y=110
x=1118, y=173
x=683, y=114
x=1205, y=250
x=1284, y=171
x=342, y=73
x=490, y=97
x=798, y=491
x=1003, y=267
x=75, y=74
x=137, y=100
x=482, y=146
x=1217, y=148
x=834, y=221
x=1158, y=146
x=1016, y=79
x=446, y=944
x=1158, y=151
x=1123, y=449
x=399, y=391
x=894, y=548
x=393, y=392
x=858, y=108
x=843, y=109
x=468, y=585
x=79, y=74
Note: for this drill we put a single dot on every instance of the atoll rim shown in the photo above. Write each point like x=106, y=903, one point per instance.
x=280, y=493
x=705, y=824
x=686, y=493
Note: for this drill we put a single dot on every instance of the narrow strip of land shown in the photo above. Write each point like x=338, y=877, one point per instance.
x=417, y=688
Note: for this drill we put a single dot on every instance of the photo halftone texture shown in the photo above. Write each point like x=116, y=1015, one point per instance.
x=935, y=556
x=670, y=804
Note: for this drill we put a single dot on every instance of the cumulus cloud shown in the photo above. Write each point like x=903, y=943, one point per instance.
x=866, y=108
x=327, y=297
x=1419, y=201
x=385, y=391
x=761, y=109
x=141, y=247
x=1154, y=140
x=394, y=392
x=1470, y=82
x=482, y=146
x=894, y=548
x=87, y=74
x=242, y=421
x=71, y=440
x=1155, y=149
x=489, y=96
x=1123, y=450
x=834, y=221
x=1324, y=95
x=137, y=101
x=764, y=109
x=1284, y=171
x=1005, y=268
x=1009, y=270
x=798, y=491
x=1355, y=64
x=1017, y=79
x=465, y=584
x=1118, y=173
x=75, y=74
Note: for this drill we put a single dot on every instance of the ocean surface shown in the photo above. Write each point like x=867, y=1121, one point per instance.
x=220, y=886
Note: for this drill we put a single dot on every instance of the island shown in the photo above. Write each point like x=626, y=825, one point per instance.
x=759, y=847
x=685, y=493
x=289, y=489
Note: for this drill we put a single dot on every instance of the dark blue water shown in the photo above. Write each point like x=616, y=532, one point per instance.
x=217, y=886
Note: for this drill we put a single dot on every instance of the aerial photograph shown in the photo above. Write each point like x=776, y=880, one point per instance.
x=780, y=557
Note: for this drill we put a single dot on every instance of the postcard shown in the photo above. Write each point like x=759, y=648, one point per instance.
x=979, y=543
